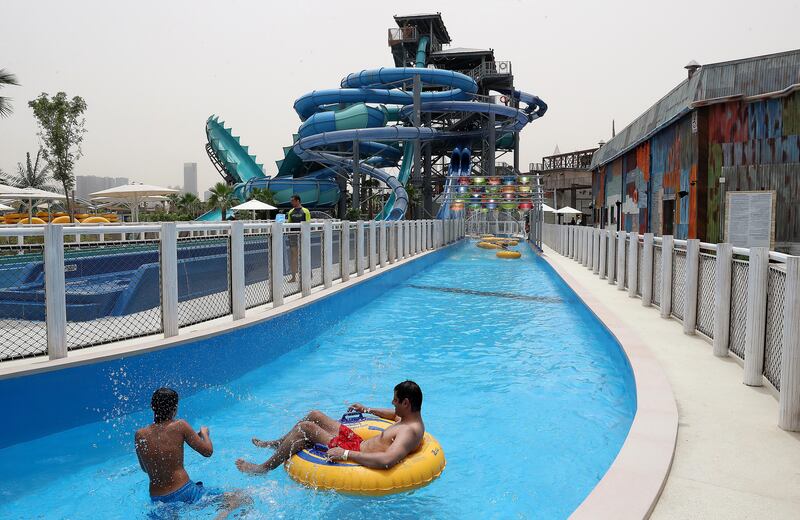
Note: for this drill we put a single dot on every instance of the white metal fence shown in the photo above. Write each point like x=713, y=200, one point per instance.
x=745, y=301
x=69, y=287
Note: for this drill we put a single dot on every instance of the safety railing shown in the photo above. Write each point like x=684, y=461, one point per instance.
x=61, y=291
x=746, y=302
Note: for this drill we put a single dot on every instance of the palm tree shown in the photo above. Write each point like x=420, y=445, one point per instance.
x=6, y=78
x=34, y=174
x=264, y=195
x=189, y=203
x=222, y=198
x=174, y=201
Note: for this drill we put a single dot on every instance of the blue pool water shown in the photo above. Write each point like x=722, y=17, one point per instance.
x=527, y=392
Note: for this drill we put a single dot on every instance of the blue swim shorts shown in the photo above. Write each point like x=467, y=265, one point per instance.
x=189, y=493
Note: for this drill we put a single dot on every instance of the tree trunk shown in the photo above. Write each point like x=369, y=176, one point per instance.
x=70, y=211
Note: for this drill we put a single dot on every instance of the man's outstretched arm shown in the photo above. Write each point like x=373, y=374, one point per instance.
x=383, y=413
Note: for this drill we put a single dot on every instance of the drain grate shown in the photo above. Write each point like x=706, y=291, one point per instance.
x=491, y=294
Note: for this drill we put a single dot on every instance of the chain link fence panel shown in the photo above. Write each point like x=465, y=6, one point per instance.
x=706, y=279
x=366, y=247
x=22, y=312
x=353, y=246
x=738, y=307
x=257, y=267
x=316, y=259
x=112, y=292
x=639, y=252
x=773, y=345
x=678, y=282
x=657, y=275
x=203, y=279
x=291, y=262
x=336, y=243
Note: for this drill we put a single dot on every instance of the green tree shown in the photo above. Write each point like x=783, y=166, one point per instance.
x=61, y=128
x=6, y=78
x=174, y=200
x=264, y=195
x=33, y=174
x=222, y=198
x=189, y=203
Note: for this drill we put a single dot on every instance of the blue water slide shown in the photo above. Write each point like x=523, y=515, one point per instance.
x=453, y=170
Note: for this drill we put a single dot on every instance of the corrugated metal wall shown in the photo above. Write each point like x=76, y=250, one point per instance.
x=688, y=157
x=749, y=140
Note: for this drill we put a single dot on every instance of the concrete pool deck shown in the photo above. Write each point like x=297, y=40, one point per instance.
x=731, y=459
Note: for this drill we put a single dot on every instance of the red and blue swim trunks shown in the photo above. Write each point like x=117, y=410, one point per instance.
x=347, y=439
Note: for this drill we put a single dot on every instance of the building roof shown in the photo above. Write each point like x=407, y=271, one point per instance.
x=713, y=83
x=426, y=22
x=460, y=58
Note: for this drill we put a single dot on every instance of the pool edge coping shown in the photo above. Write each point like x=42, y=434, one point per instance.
x=633, y=483
x=150, y=344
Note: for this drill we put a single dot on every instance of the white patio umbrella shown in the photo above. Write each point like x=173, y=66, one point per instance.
x=3, y=207
x=547, y=209
x=31, y=194
x=132, y=195
x=253, y=205
x=566, y=210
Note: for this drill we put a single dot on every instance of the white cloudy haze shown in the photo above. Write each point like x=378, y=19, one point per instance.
x=152, y=72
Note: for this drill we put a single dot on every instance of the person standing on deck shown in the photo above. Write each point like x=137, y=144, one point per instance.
x=296, y=215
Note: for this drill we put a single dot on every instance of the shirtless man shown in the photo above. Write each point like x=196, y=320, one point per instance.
x=381, y=452
x=159, y=448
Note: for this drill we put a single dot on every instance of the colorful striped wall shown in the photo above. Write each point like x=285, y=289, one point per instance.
x=684, y=161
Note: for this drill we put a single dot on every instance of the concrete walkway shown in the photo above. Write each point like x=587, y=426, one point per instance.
x=731, y=460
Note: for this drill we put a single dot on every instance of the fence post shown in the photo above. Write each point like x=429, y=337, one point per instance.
x=344, y=250
x=633, y=264
x=399, y=240
x=722, y=299
x=391, y=244
x=382, y=251
x=360, y=248
x=305, y=258
x=237, y=270
x=667, y=245
x=789, y=401
x=169, y=278
x=373, y=245
x=756, y=315
x=690, y=291
x=327, y=254
x=647, y=270
x=590, y=249
x=587, y=247
x=571, y=241
x=406, y=239
x=596, y=253
x=611, y=263
x=55, y=298
x=603, y=239
x=277, y=264
x=621, y=236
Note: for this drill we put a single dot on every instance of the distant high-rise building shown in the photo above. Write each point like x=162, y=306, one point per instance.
x=85, y=185
x=190, y=178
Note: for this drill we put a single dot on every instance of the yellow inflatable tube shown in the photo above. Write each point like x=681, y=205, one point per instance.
x=508, y=254
x=311, y=468
x=488, y=245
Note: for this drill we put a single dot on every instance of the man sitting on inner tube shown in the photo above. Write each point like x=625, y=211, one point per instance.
x=382, y=451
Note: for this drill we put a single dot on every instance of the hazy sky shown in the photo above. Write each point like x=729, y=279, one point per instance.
x=152, y=72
